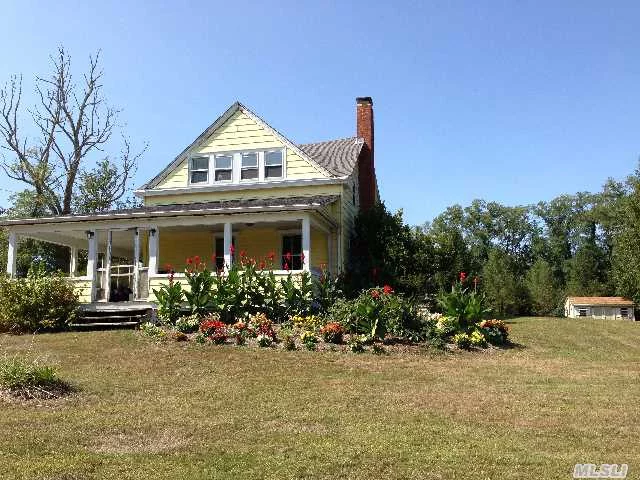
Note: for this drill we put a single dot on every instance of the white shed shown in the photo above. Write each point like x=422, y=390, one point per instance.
x=605, y=308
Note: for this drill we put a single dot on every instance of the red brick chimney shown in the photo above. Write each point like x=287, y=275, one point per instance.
x=366, y=166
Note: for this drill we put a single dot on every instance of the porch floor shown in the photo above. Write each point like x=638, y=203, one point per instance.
x=108, y=307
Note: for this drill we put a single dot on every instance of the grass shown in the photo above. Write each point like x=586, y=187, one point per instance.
x=152, y=411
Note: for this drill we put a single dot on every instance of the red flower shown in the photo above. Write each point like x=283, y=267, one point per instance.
x=375, y=293
x=463, y=276
x=387, y=289
x=287, y=256
x=213, y=256
x=271, y=255
x=286, y=266
x=263, y=265
x=302, y=257
x=243, y=253
x=232, y=249
x=196, y=259
x=189, y=261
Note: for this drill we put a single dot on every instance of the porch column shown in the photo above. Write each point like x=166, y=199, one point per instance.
x=107, y=286
x=306, y=242
x=11, y=254
x=153, y=251
x=73, y=261
x=92, y=261
x=228, y=235
x=136, y=263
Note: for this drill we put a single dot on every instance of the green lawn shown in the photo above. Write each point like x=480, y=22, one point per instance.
x=570, y=394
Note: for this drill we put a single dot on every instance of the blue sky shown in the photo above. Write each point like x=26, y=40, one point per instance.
x=510, y=101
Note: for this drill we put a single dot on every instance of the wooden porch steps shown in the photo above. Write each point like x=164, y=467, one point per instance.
x=113, y=315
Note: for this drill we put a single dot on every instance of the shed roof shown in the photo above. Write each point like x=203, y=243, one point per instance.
x=601, y=301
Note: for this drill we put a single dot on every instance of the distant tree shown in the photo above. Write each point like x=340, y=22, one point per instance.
x=543, y=294
x=504, y=290
x=74, y=124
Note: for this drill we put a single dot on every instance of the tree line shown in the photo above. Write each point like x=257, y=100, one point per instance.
x=526, y=259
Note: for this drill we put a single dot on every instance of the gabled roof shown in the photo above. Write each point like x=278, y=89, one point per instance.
x=217, y=124
x=600, y=301
x=338, y=157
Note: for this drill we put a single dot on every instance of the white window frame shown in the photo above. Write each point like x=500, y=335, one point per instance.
x=257, y=167
x=222, y=154
x=208, y=169
x=283, y=161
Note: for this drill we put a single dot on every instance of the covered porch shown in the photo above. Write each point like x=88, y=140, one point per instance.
x=123, y=255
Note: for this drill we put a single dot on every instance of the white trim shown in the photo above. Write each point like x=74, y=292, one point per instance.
x=228, y=239
x=199, y=188
x=92, y=261
x=107, y=285
x=73, y=261
x=306, y=243
x=154, y=253
x=191, y=169
x=136, y=263
x=12, y=252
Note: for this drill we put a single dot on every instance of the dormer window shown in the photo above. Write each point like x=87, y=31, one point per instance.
x=223, y=168
x=199, y=170
x=273, y=164
x=249, y=166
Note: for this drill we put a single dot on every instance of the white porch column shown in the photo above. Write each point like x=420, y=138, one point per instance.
x=154, y=235
x=73, y=261
x=107, y=286
x=306, y=242
x=11, y=254
x=136, y=263
x=92, y=261
x=228, y=236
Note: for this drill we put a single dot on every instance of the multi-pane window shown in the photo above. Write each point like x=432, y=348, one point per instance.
x=292, y=252
x=582, y=312
x=273, y=164
x=249, y=166
x=624, y=312
x=199, y=170
x=223, y=168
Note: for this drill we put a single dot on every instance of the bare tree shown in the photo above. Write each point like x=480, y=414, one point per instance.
x=72, y=125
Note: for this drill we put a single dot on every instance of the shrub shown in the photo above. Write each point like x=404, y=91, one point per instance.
x=261, y=325
x=357, y=342
x=30, y=378
x=153, y=331
x=307, y=322
x=378, y=349
x=495, y=332
x=240, y=331
x=464, y=304
x=200, y=338
x=462, y=340
x=214, y=329
x=39, y=302
x=446, y=326
x=169, y=298
x=297, y=294
x=327, y=289
x=309, y=340
x=332, y=332
x=264, y=340
x=477, y=339
x=288, y=341
x=201, y=281
x=188, y=324
x=179, y=336
x=375, y=312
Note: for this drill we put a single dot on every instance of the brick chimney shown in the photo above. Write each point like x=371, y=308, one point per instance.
x=366, y=167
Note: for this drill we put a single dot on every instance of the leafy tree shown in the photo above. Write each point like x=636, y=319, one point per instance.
x=544, y=295
x=504, y=291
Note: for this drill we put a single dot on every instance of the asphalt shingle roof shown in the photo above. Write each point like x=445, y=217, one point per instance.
x=338, y=157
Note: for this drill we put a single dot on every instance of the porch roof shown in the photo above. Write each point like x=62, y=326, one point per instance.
x=188, y=209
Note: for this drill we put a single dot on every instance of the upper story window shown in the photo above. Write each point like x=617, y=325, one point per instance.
x=199, y=170
x=249, y=166
x=273, y=164
x=223, y=168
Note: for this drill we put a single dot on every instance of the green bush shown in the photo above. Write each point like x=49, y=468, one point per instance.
x=375, y=312
x=188, y=324
x=30, y=378
x=466, y=305
x=40, y=302
x=462, y=340
x=169, y=298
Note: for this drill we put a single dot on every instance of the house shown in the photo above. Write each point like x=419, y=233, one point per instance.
x=240, y=186
x=606, y=308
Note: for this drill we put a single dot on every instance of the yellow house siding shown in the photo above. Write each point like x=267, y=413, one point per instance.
x=349, y=212
x=258, y=243
x=319, y=248
x=241, y=132
x=176, y=246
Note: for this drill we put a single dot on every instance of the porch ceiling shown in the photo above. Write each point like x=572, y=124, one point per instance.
x=122, y=240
